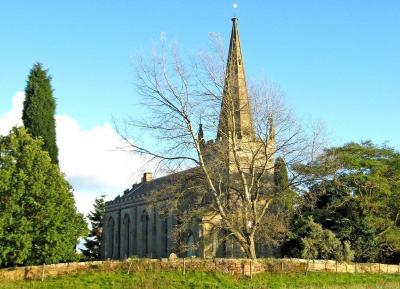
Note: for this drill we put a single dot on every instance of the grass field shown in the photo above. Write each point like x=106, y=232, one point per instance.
x=169, y=280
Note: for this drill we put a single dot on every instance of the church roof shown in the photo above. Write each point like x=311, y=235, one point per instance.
x=141, y=191
x=235, y=99
x=144, y=188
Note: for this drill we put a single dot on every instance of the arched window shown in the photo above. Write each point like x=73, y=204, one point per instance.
x=191, y=252
x=145, y=233
x=153, y=235
x=110, y=238
x=164, y=235
x=126, y=234
x=221, y=244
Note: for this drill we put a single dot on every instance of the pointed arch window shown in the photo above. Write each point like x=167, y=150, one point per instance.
x=145, y=233
x=127, y=239
x=164, y=235
x=110, y=237
x=191, y=252
x=221, y=243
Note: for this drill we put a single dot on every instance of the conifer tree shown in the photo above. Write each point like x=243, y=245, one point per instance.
x=280, y=175
x=93, y=241
x=38, y=219
x=287, y=197
x=39, y=109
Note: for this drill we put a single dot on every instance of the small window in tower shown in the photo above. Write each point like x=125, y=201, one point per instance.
x=240, y=61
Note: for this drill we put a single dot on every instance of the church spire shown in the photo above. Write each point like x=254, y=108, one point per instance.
x=235, y=112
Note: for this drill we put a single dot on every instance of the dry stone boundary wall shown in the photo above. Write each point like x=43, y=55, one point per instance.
x=243, y=267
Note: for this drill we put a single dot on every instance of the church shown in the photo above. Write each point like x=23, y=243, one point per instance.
x=134, y=228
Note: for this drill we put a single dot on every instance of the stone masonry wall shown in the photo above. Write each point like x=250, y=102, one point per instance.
x=244, y=267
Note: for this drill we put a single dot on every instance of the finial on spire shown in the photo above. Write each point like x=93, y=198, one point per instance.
x=200, y=135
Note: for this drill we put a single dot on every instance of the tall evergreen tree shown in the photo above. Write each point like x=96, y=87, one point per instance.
x=39, y=109
x=93, y=241
x=281, y=180
x=287, y=196
x=38, y=219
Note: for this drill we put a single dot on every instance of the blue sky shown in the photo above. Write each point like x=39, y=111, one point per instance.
x=337, y=61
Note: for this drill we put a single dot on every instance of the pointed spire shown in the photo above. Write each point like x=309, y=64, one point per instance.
x=235, y=100
x=200, y=134
x=271, y=130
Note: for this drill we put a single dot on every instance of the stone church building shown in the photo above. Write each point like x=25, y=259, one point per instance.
x=133, y=228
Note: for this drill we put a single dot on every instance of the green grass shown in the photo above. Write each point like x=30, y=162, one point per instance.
x=176, y=280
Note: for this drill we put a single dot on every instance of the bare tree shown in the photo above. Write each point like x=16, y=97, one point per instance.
x=228, y=181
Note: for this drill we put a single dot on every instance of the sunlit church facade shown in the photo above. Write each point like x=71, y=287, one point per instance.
x=134, y=228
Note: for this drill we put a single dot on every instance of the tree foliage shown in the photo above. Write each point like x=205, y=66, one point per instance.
x=39, y=109
x=93, y=241
x=281, y=179
x=355, y=192
x=276, y=221
x=310, y=241
x=287, y=197
x=38, y=219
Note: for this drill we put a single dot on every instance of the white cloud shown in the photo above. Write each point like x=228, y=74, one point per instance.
x=13, y=117
x=89, y=158
x=92, y=161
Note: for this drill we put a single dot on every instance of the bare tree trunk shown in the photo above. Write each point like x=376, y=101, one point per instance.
x=252, y=247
